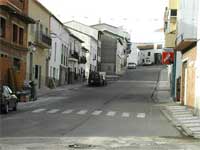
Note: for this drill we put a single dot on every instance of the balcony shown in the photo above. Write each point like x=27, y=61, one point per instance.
x=74, y=56
x=16, y=4
x=187, y=24
x=43, y=40
x=82, y=60
x=170, y=39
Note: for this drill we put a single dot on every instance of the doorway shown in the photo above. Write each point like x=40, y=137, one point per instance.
x=184, y=81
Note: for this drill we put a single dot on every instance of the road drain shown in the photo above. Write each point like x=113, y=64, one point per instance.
x=80, y=146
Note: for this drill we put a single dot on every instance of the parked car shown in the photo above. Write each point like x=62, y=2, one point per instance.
x=97, y=79
x=131, y=66
x=8, y=100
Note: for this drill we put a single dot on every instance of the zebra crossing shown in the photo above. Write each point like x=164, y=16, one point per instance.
x=87, y=112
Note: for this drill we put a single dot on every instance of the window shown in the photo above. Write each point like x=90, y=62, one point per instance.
x=62, y=55
x=21, y=36
x=70, y=48
x=15, y=33
x=149, y=53
x=51, y=71
x=2, y=27
x=41, y=28
x=16, y=64
x=66, y=51
x=173, y=12
x=32, y=28
x=36, y=71
x=55, y=51
x=46, y=31
x=54, y=72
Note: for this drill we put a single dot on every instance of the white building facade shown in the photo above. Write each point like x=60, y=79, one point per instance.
x=134, y=56
x=90, y=38
x=152, y=52
x=58, y=64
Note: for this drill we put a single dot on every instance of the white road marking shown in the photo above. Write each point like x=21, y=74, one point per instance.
x=125, y=114
x=69, y=111
x=111, y=113
x=53, y=111
x=39, y=110
x=141, y=115
x=82, y=112
x=97, y=112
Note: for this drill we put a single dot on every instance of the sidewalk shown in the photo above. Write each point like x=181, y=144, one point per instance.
x=161, y=93
x=181, y=116
x=43, y=95
x=46, y=90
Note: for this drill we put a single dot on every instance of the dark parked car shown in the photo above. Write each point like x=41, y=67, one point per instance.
x=97, y=79
x=8, y=100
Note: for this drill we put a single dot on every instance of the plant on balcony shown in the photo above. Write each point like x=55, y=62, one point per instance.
x=82, y=60
x=75, y=55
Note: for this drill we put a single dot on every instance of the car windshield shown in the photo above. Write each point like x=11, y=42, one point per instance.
x=100, y=74
x=9, y=90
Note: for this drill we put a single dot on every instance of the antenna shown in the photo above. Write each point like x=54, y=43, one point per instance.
x=99, y=20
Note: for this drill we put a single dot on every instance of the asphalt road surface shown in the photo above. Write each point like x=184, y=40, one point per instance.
x=121, y=109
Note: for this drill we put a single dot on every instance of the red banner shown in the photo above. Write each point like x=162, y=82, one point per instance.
x=167, y=58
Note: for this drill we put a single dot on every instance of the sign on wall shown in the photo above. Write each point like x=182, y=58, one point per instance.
x=167, y=58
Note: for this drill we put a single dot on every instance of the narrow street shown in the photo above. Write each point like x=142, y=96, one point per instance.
x=124, y=108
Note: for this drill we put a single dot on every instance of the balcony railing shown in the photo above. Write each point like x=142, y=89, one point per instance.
x=17, y=3
x=46, y=39
x=43, y=40
x=75, y=55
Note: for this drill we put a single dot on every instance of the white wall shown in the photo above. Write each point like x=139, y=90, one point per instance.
x=144, y=54
x=83, y=28
x=59, y=36
x=93, y=53
x=187, y=19
x=90, y=44
x=134, y=56
x=197, y=66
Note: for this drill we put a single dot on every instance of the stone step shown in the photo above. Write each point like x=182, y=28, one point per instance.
x=187, y=118
x=190, y=121
x=194, y=129
x=176, y=107
x=182, y=115
x=192, y=125
x=196, y=135
x=191, y=128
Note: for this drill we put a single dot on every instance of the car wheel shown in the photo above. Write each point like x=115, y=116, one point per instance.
x=15, y=107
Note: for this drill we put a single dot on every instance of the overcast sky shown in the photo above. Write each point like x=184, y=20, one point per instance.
x=139, y=17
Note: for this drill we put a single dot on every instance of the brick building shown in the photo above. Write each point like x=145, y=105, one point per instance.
x=13, y=42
